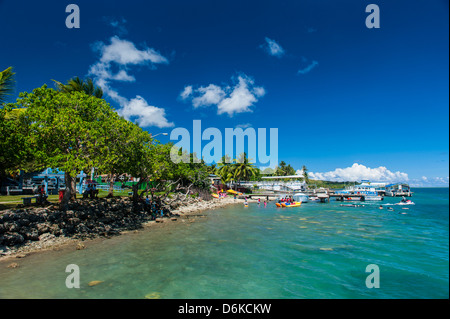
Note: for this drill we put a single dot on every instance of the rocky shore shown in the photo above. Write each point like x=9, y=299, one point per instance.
x=28, y=230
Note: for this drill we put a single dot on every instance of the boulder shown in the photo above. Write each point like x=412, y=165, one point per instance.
x=11, y=239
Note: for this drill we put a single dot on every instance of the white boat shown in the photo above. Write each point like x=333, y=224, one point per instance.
x=370, y=192
x=373, y=197
x=301, y=197
x=408, y=202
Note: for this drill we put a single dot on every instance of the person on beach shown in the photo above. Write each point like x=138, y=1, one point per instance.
x=42, y=195
x=259, y=201
x=265, y=203
x=147, y=204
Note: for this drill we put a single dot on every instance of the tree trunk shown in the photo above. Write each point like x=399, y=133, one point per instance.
x=68, y=192
x=111, y=185
x=73, y=189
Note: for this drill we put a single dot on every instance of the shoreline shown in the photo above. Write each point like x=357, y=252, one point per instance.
x=183, y=213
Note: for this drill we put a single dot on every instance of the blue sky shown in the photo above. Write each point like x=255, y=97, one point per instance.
x=311, y=69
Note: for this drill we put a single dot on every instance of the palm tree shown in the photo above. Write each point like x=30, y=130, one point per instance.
x=243, y=169
x=305, y=174
x=78, y=85
x=7, y=83
x=225, y=170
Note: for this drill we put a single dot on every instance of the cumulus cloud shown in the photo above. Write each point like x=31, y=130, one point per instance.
x=425, y=181
x=229, y=99
x=210, y=95
x=273, y=48
x=124, y=52
x=122, y=55
x=187, y=92
x=358, y=172
x=144, y=114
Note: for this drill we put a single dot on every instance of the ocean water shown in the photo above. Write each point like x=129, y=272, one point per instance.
x=318, y=250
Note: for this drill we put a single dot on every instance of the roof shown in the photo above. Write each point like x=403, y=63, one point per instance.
x=394, y=184
x=281, y=177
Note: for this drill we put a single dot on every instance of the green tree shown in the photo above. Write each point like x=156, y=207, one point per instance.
x=305, y=174
x=225, y=170
x=284, y=170
x=7, y=84
x=244, y=169
x=65, y=129
x=78, y=85
x=114, y=145
x=15, y=147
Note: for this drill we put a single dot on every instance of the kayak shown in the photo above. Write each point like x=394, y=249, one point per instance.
x=233, y=192
x=215, y=195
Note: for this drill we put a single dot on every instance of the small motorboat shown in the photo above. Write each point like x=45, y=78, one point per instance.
x=406, y=202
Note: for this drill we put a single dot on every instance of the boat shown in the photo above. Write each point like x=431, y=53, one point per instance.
x=364, y=191
x=301, y=197
x=233, y=192
x=294, y=204
x=373, y=197
x=215, y=195
x=407, y=202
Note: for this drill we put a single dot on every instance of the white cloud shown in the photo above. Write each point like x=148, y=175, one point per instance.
x=187, y=92
x=241, y=98
x=425, y=181
x=358, y=172
x=308, y=68
x=210, y=95
x=229, y=99
x=145, y=114
x=123, y=54
x=273, y=48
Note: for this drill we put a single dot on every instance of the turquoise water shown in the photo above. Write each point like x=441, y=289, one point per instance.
x=313, y=251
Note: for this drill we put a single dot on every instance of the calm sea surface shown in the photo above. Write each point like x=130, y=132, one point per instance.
x=313, y=251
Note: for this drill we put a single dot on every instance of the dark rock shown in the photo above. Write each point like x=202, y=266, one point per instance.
x=43, y=228
x=11, y=239
x=32, y=235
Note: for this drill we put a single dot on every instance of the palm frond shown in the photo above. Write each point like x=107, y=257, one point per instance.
x=7, y=84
